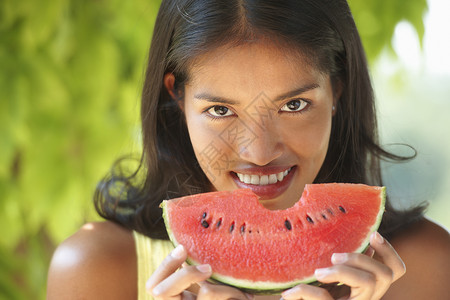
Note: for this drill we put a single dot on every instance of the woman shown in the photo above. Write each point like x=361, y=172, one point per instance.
x=270, y=96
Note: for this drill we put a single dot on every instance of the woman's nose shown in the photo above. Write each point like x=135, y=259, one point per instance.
x=260, y=143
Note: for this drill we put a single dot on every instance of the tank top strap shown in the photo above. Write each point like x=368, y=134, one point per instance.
x=149, y=252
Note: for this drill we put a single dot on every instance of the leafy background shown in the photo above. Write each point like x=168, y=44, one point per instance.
x=70, y=78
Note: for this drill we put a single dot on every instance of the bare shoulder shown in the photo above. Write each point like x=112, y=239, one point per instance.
x=423, y=237
x=425, y=248
x=97, y=262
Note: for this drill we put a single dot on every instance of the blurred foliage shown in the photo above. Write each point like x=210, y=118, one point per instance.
x=70, y=76
x=69, y=99
x=376, y=21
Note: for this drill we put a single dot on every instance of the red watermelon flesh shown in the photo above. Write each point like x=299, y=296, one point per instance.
x=256, y=249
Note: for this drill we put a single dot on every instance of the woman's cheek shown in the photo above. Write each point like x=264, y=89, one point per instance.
x=212, y=152
x=308, y=137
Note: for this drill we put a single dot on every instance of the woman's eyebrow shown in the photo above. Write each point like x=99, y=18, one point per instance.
x=216, y=99
x=297, y=91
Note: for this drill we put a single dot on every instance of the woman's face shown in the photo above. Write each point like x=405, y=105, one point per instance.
x=259, y=118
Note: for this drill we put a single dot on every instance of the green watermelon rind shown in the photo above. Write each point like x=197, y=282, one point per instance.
x=265, y=287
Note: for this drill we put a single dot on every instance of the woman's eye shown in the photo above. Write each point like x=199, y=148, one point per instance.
x=219, y=111
x=295, y=106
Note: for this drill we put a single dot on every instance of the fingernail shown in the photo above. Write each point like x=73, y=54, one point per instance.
x=321, y=273
x=204, y=268
x=378, y=238
x=290, y=293
x=249, y=296
x=370, y=252
x=156, y=291
x=338, y=258
x=177, y=253
x=148, y=285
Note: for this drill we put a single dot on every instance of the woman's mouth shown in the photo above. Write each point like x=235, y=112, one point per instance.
x=267, y=184
x=263, y=179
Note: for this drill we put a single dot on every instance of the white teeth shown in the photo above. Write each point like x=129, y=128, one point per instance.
x=280, y=176
x=241, y=177
x=272, y=178
x=264, y=179
x=247, y=178
x=255, y=179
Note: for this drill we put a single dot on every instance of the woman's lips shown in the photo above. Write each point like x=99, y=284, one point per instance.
x=264, y=185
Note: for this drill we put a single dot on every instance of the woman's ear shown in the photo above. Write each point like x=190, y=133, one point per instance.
x=169, y=84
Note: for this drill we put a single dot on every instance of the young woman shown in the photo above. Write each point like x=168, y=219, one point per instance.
x=268, y=95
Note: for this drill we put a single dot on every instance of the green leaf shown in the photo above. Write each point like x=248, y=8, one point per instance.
x=376, y=21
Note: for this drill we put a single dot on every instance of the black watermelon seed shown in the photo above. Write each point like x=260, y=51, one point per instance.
x=232, y=227
x=204, y=215
x=342, y=209
x=219, y=223
x=288, y=225
x=325, y=217
x=243, y=228
x=309, y=219
x=205, y=224
x=330, y=211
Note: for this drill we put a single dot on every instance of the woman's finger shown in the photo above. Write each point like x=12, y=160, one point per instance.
x=168, y=266
x=382, y=274
x=178, y=282
x=361, y=282
x=367, y=277
x=387, y=254
x=306, y=292
x=209, y=291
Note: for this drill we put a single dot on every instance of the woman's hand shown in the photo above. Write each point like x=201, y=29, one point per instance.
x=171, y=282
x=368, y=278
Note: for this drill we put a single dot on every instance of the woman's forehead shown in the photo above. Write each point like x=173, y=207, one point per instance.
x=243, y=73
x=256, y=57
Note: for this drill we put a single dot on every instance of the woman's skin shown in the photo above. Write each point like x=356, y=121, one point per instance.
x=254, y=110
x=266, y=111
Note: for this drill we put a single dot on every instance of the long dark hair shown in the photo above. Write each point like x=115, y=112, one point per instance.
x=322, y=30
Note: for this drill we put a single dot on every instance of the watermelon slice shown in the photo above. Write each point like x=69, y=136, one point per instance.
x=264, y=251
